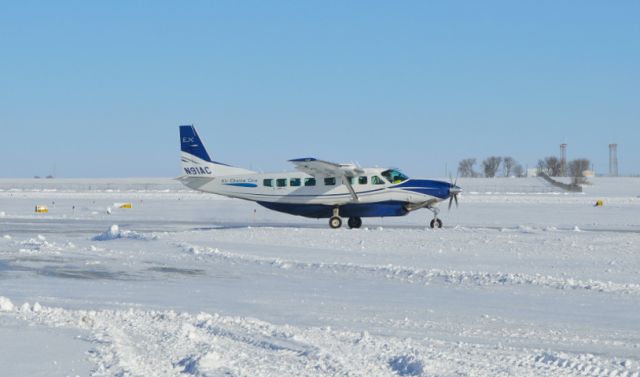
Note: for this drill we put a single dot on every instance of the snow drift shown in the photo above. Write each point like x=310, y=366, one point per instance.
x=114, y=232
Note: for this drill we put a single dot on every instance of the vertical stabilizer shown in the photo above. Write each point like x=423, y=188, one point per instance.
x=196, y=161
x=190, y=143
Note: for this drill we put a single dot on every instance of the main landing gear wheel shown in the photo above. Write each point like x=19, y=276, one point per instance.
x=354, y=222
x=335, y=222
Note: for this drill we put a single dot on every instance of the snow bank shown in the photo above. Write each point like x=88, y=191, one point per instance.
x=413, y=275
x=6, y=305
x=39, y=244
x=166, y=343
x=114, y=233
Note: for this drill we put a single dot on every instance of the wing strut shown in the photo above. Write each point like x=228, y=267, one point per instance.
x=347, y=183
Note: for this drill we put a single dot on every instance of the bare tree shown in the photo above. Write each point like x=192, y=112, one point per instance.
x=490, y=165
x=553, y=166
x=465, y=168
x=577, y=168
x=518, y=171
x=542, y=167
x=508, y=163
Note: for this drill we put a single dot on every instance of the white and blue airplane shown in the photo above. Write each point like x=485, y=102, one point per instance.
x=319, y=189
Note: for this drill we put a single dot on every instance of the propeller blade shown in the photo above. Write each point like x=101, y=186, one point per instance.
x=450, y=200
x=455, y=197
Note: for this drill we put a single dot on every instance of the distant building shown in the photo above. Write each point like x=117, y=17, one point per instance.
x=532, y=172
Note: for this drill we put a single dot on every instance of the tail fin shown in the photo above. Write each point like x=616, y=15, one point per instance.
x=196, y=162
x=190, y=143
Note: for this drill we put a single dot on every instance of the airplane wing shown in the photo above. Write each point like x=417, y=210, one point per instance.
x=315, y=167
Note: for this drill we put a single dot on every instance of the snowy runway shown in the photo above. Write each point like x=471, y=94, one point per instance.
x=517, y=284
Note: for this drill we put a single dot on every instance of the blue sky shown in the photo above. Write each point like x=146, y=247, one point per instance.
x=98, y=89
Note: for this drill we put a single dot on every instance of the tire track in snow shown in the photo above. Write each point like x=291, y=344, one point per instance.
x=421, y=276
x=165, y=343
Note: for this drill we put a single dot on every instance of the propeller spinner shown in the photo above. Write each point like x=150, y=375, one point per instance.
x=454, y=190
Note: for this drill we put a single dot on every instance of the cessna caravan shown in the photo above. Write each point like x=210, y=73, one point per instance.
x=318, y=189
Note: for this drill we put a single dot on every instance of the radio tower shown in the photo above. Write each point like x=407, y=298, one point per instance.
x=613, y=160
x=563, y=160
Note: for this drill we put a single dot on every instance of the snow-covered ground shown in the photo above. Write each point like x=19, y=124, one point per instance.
x=522, y=281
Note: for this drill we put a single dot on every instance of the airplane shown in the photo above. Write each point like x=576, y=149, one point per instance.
x=318, y=189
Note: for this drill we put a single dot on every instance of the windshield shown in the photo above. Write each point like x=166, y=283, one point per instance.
x=394, y=176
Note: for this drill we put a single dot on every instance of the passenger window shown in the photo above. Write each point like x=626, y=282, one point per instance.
x=351, y=180
x=294, y=182
x=376, y=180
x=267, y=183
x=362, y=180
x=330, y=181
x=281, y=182
x=309, y=181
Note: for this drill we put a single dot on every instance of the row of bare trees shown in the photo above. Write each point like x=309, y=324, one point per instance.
x=508, y=167
x=491, y=167
x=555, y=167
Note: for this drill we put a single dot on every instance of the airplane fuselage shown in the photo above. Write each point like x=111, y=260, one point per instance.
x=315, y=196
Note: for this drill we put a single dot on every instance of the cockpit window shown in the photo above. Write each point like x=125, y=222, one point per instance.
x=394, y=176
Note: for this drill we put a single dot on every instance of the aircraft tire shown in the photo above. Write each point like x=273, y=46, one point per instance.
x=436, y=223
x=354, y=222
x=335, y=222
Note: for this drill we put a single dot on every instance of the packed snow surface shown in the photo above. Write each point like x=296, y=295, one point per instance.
x=522, y=281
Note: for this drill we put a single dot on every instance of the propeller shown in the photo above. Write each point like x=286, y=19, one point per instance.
x=454, y=190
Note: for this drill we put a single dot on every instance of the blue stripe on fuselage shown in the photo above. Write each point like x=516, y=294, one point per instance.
x=241, y=184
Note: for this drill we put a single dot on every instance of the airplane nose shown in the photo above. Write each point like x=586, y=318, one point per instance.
x=453, y=194
x=455, y=190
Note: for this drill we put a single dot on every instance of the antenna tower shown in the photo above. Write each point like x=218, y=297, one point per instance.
x=613, y=160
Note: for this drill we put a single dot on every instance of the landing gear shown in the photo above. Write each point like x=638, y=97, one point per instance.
x=436, y=223
x=354, y=222
x=335, y=221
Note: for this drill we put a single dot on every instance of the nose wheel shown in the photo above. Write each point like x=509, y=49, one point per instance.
x=436, y=223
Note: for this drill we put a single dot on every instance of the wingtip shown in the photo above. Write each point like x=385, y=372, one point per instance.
x=303, y=159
